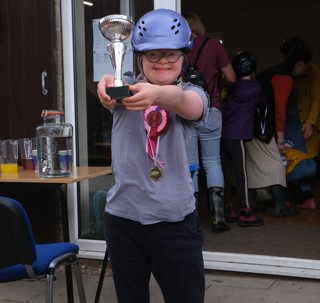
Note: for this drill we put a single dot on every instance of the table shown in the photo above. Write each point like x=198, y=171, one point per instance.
x=79, y=174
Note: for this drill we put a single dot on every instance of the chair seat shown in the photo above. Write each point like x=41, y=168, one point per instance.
x=46, y=253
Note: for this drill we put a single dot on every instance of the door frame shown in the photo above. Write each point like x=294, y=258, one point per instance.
x=248, y=263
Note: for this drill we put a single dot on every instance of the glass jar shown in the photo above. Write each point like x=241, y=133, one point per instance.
x=54, y=145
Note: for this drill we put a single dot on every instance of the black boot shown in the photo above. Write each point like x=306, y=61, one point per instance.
x=217, y=209
x=256, y=207
x=278, y=193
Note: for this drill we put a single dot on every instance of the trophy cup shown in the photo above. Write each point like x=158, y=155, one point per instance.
x=116, y=28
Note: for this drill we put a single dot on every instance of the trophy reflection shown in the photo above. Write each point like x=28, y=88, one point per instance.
x=116, y=28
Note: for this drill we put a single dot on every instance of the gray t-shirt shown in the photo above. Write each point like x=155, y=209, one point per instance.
x=135, y=196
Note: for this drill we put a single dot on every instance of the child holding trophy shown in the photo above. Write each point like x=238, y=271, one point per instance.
x=150, y=223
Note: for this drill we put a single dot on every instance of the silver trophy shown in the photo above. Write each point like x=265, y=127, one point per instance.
x=116, y=28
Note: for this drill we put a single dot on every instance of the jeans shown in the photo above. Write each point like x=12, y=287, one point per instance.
x=304, y=172
x=207, y=137
x=293, y=128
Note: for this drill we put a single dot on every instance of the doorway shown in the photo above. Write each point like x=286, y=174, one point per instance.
x=214, y=258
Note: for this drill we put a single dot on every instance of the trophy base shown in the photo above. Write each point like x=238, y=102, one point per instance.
x=118, y=92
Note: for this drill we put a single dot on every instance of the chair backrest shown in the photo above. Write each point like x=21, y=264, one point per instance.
x=16, y=236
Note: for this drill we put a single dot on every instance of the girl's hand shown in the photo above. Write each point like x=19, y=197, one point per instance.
x=144, y=95
x=106, y=100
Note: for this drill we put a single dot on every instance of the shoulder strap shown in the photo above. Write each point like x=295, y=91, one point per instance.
x=204, y=42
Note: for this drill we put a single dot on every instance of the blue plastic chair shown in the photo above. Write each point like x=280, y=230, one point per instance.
x=21, y=258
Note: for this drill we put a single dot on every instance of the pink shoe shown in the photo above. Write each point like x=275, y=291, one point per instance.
x=247, y=218
x=230, y=215
x=309, y=204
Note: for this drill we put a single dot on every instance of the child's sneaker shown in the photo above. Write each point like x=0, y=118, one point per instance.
x=230, y=215
x=247, y=218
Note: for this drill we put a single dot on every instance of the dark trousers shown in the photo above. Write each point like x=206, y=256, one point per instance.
x=233, y=157
x=171, y=251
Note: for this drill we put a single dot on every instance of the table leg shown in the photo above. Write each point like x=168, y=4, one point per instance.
x=66, y=237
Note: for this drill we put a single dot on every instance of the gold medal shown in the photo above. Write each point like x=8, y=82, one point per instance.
x=155, y=174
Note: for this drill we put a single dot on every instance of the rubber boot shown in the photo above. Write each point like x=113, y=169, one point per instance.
x=278, y=193
x=217, y=209
x=256, y=206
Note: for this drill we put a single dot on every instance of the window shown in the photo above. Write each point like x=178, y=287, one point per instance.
x=94, y=123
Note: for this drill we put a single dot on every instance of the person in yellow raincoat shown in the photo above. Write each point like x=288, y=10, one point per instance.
x=302, y=122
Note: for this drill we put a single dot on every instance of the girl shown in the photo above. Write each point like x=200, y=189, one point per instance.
x=150, y=223
x=238, y=109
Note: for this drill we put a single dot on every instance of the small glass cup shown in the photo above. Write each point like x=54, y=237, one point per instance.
x=9, y=156
x=25, y=147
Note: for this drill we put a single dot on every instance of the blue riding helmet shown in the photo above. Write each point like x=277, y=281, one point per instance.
x=161, y=29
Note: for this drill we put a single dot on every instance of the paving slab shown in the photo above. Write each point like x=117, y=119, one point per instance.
x=221, y=287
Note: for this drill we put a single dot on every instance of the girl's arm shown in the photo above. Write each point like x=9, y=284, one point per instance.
x=186, y=103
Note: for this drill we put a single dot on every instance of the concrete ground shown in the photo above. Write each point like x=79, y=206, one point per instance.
x=221, y=287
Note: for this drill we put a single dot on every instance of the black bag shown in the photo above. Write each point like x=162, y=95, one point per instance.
x=262, y=130
x=193, y=75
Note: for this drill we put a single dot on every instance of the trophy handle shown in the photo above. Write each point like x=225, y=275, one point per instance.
x=116, y=52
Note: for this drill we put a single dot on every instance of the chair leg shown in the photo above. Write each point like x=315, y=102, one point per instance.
x=69, y=282
x=79, y=281
x=71, y=262
x=49, y=287
x=101, y=278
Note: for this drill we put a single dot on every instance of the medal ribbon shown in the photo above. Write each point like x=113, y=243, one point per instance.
x=156, y=121
x=153, y=148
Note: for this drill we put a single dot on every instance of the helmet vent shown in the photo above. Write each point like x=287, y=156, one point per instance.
x=142, y=29
x=173, y=27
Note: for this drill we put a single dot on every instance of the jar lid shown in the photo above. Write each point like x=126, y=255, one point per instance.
x=47, y=112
